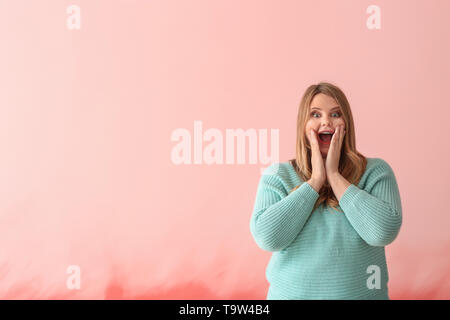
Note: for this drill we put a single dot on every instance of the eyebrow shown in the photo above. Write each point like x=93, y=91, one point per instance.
x=337, y=107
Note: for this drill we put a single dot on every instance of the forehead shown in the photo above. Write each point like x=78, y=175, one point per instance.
x=323, y=102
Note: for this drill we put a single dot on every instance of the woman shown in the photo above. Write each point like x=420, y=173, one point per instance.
x=327, y=214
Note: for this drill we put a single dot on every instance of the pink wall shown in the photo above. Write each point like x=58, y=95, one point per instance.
x=87, y=176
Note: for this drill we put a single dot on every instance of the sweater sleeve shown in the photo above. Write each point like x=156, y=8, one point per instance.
x=278, y=217
x=376, y=214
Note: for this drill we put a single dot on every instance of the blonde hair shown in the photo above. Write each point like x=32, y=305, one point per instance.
x=352, y=163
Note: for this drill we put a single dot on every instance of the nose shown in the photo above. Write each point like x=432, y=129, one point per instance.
x=325, y=121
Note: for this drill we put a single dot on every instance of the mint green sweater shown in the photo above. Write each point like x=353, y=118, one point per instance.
x=325, y=254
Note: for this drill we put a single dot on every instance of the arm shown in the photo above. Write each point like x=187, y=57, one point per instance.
x=339, y=184
x=277, y=217
x=376, y=215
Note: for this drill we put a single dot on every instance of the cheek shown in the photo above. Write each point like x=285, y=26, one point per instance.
x=308, y=128
x=309, y=125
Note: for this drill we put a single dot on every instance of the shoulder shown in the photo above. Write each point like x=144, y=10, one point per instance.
x=281, y=174
x=377, y=163
x=378, y=166
x=279, y=169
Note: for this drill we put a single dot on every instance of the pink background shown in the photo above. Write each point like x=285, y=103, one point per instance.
x=86, y=117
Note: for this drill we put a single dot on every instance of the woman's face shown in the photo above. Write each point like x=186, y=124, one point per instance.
x=324, y=115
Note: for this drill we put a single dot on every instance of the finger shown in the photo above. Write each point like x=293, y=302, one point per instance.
x=313, y=138
x=342, y=135
x=337, y=136
x=314, y=142
x=334, y=139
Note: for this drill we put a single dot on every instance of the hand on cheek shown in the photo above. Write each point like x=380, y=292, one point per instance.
x=334, y=151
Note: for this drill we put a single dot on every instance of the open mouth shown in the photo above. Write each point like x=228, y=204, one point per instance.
x=325, y=138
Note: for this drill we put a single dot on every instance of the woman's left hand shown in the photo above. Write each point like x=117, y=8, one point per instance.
x=334, y=152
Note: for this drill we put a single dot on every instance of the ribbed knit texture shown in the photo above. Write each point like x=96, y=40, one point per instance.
x=325, y=254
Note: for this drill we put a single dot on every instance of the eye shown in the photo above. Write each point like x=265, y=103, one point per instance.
x=338, y=114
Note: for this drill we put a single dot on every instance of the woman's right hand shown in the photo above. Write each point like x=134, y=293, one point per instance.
x=319, y=175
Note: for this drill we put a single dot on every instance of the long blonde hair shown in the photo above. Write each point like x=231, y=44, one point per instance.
x=352, y=163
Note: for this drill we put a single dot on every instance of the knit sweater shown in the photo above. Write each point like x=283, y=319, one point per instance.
x=326, y=254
